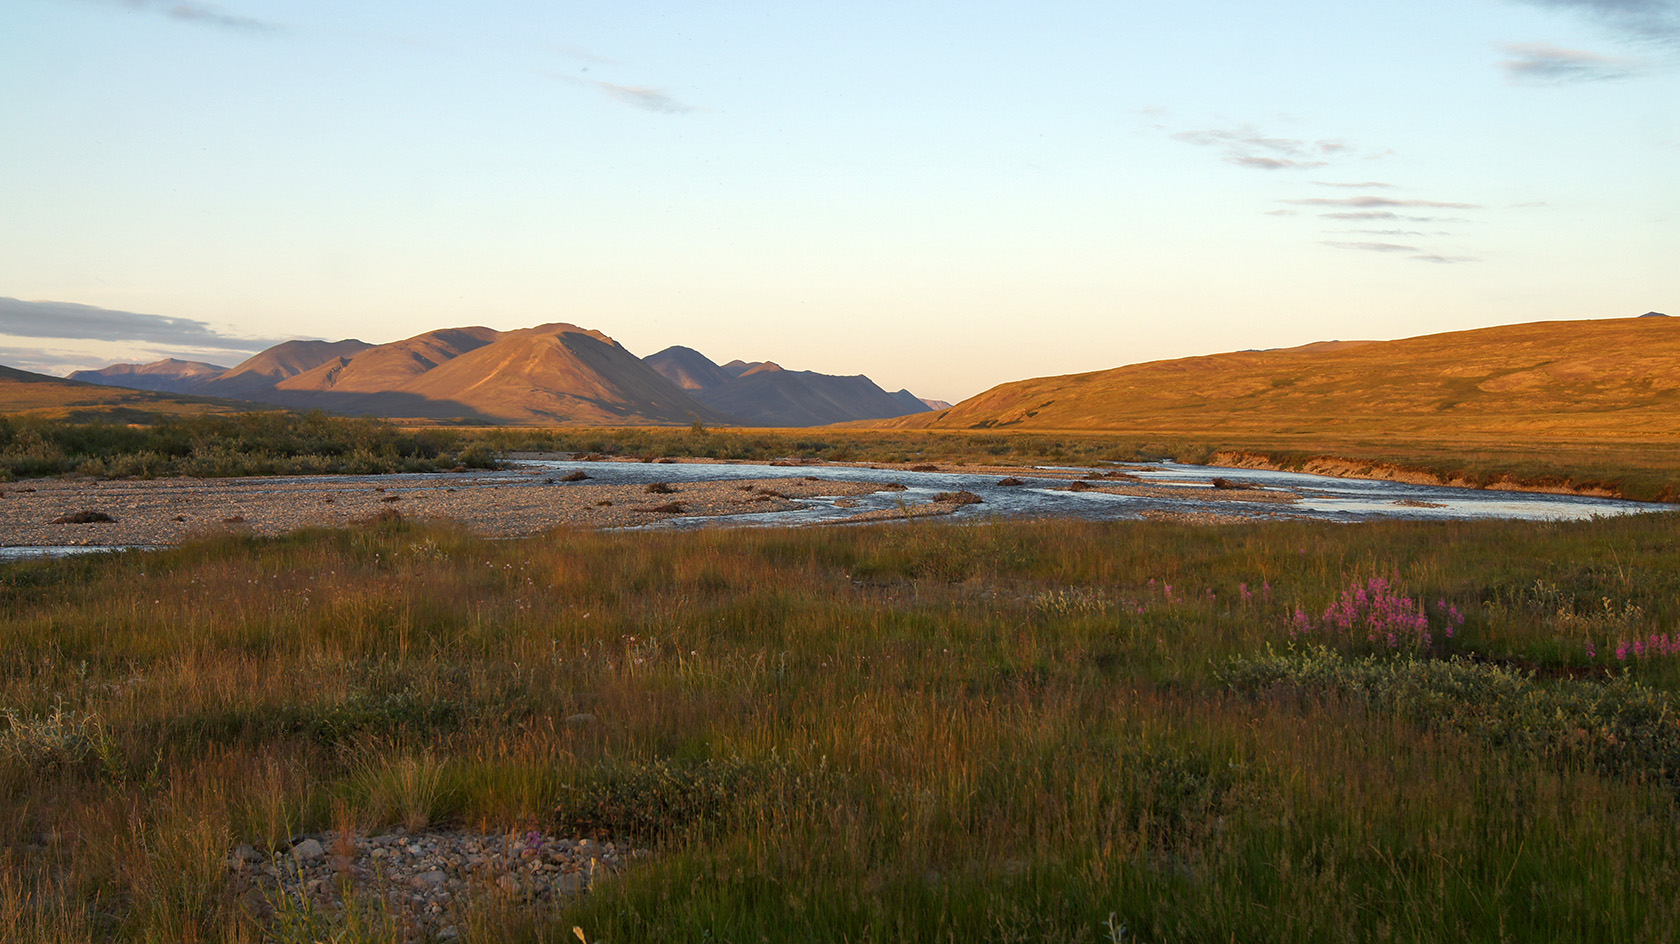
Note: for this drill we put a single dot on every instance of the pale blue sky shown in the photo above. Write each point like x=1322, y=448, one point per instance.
x=944, y=196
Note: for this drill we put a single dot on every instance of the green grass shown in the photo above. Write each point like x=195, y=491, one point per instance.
x=271, y=443
x=1005, y=731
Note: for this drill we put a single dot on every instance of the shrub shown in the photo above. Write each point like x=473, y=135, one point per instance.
x=1618, y=725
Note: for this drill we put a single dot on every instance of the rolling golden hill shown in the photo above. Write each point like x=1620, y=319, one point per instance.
x=1577, y=405
x=1561, y=379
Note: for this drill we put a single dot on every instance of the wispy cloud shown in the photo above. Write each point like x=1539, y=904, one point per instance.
x=644, y=97
x=1645, y=21
x=1391, y=232
x=1371, y=247
x=205, y=14
x=1372, y=216
x=1247, y=147
x=1374, y=202
x=1545, y=63
x=1411, y=252
x=1366, y=201
x=70, y=321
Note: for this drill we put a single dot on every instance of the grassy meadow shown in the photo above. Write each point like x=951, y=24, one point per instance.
x=1004, y=731
x=276, y=442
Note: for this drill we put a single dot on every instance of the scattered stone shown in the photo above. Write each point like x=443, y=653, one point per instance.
x=85, y=516
x=576, y=476
x=424, y=882
x=1011, y=481
x=964, y=497
x=308, y=849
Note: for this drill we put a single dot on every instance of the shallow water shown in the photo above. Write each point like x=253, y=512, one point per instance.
x=1322, y=497
x=57, y=550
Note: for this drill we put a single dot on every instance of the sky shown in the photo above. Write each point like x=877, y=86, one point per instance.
x=944, y=196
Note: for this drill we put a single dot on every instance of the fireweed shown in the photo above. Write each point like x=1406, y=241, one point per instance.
x=1375, y=612
x=1656, y=644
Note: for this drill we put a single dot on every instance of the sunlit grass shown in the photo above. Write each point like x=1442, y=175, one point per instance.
x=998, y=731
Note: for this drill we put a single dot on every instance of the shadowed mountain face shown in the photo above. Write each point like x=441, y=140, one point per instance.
x=688, y=368
x=168, y=375
x=761, y=393
x=739, y=368
x=1614, y=376
x=256, y=377
x=388, y=367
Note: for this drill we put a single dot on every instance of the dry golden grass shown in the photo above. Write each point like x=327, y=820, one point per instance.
x=1586, y=403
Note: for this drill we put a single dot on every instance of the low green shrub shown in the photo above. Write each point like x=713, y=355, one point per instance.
x=1613, y=724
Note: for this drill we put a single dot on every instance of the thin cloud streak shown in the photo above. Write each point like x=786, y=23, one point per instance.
x=1247, y=147
x=70, y=321
x=1373, y=202
x=1544, y=63
x=204, y=14
x=1371, y=247
x=1375, y=215
x=643, y=97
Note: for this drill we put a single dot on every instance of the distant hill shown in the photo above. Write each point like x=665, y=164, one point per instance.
x=739, y=368
x=383, y=368
x=560, y=373
x=24, y=392
x=762, y=393
x=688, y=368
x=1548, y=379
x=255, y=377
x=168, y=375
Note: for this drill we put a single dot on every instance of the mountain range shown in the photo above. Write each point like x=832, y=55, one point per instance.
x=548, y=374
x=764, y=394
